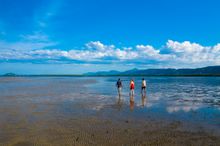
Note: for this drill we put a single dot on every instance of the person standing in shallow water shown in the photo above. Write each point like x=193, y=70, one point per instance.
x=119, y=86
x=132, y=94
x=132, y=88
x=143, y=87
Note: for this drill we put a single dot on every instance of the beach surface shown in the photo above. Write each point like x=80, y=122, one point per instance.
x=87, y=111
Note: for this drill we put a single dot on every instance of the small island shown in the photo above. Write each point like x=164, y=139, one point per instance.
x=9, y=75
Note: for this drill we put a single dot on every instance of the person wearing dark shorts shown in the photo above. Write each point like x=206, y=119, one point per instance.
x=143, y=87
x=119, y=87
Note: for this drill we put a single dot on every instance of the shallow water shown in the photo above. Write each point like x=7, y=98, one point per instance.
x=32, y=104
x=192, y=99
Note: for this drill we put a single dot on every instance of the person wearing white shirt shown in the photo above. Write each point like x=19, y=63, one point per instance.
x=143, y=87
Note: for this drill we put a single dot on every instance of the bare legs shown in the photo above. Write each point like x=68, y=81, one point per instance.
x=143, y=91
x=132, y=92
x=119, y=92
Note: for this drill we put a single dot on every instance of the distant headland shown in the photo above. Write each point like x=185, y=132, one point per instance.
x=205, y=71
x=10, y=74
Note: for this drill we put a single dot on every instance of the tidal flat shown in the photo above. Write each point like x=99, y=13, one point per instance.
x=87, y=111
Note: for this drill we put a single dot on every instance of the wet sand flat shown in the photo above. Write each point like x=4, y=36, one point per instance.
x=87, y=111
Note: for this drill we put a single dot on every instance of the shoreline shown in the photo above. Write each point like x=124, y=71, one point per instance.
x=112, y=76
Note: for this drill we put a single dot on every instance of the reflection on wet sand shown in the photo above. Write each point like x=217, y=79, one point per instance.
x=143, y=99
x=57, y=111
x=119, y=103
x=131, y=103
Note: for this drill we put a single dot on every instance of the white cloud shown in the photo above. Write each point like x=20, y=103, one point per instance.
x=97, y=45
x=189, y=53
x=185, y=47
x=216, y=49
x=35, y=46
x=125, y=54
x=148, y=50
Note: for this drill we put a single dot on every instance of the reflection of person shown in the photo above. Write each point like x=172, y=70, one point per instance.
x=119, y=86
x=143, y=99
x=143, y=87
x=132, y=88
x=131, y=103
x=119, y=103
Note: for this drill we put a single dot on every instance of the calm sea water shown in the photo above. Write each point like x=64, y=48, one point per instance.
x=187, y=99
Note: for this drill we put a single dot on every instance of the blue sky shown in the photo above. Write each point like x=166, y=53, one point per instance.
x=77, y=36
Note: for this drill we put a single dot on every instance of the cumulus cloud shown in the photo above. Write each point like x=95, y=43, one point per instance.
x=187, y=52
x=148, y=50
x=36, y=46
x=152, y=53
x=99, y=46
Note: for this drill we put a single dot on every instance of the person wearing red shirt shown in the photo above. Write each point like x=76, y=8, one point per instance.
x=132, y=88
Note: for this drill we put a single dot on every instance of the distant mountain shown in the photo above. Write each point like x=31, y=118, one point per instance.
x=9, y=74
x=210, y=70
x=103, y=73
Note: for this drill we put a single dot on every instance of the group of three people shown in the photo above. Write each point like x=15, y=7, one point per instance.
x=132, y=85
